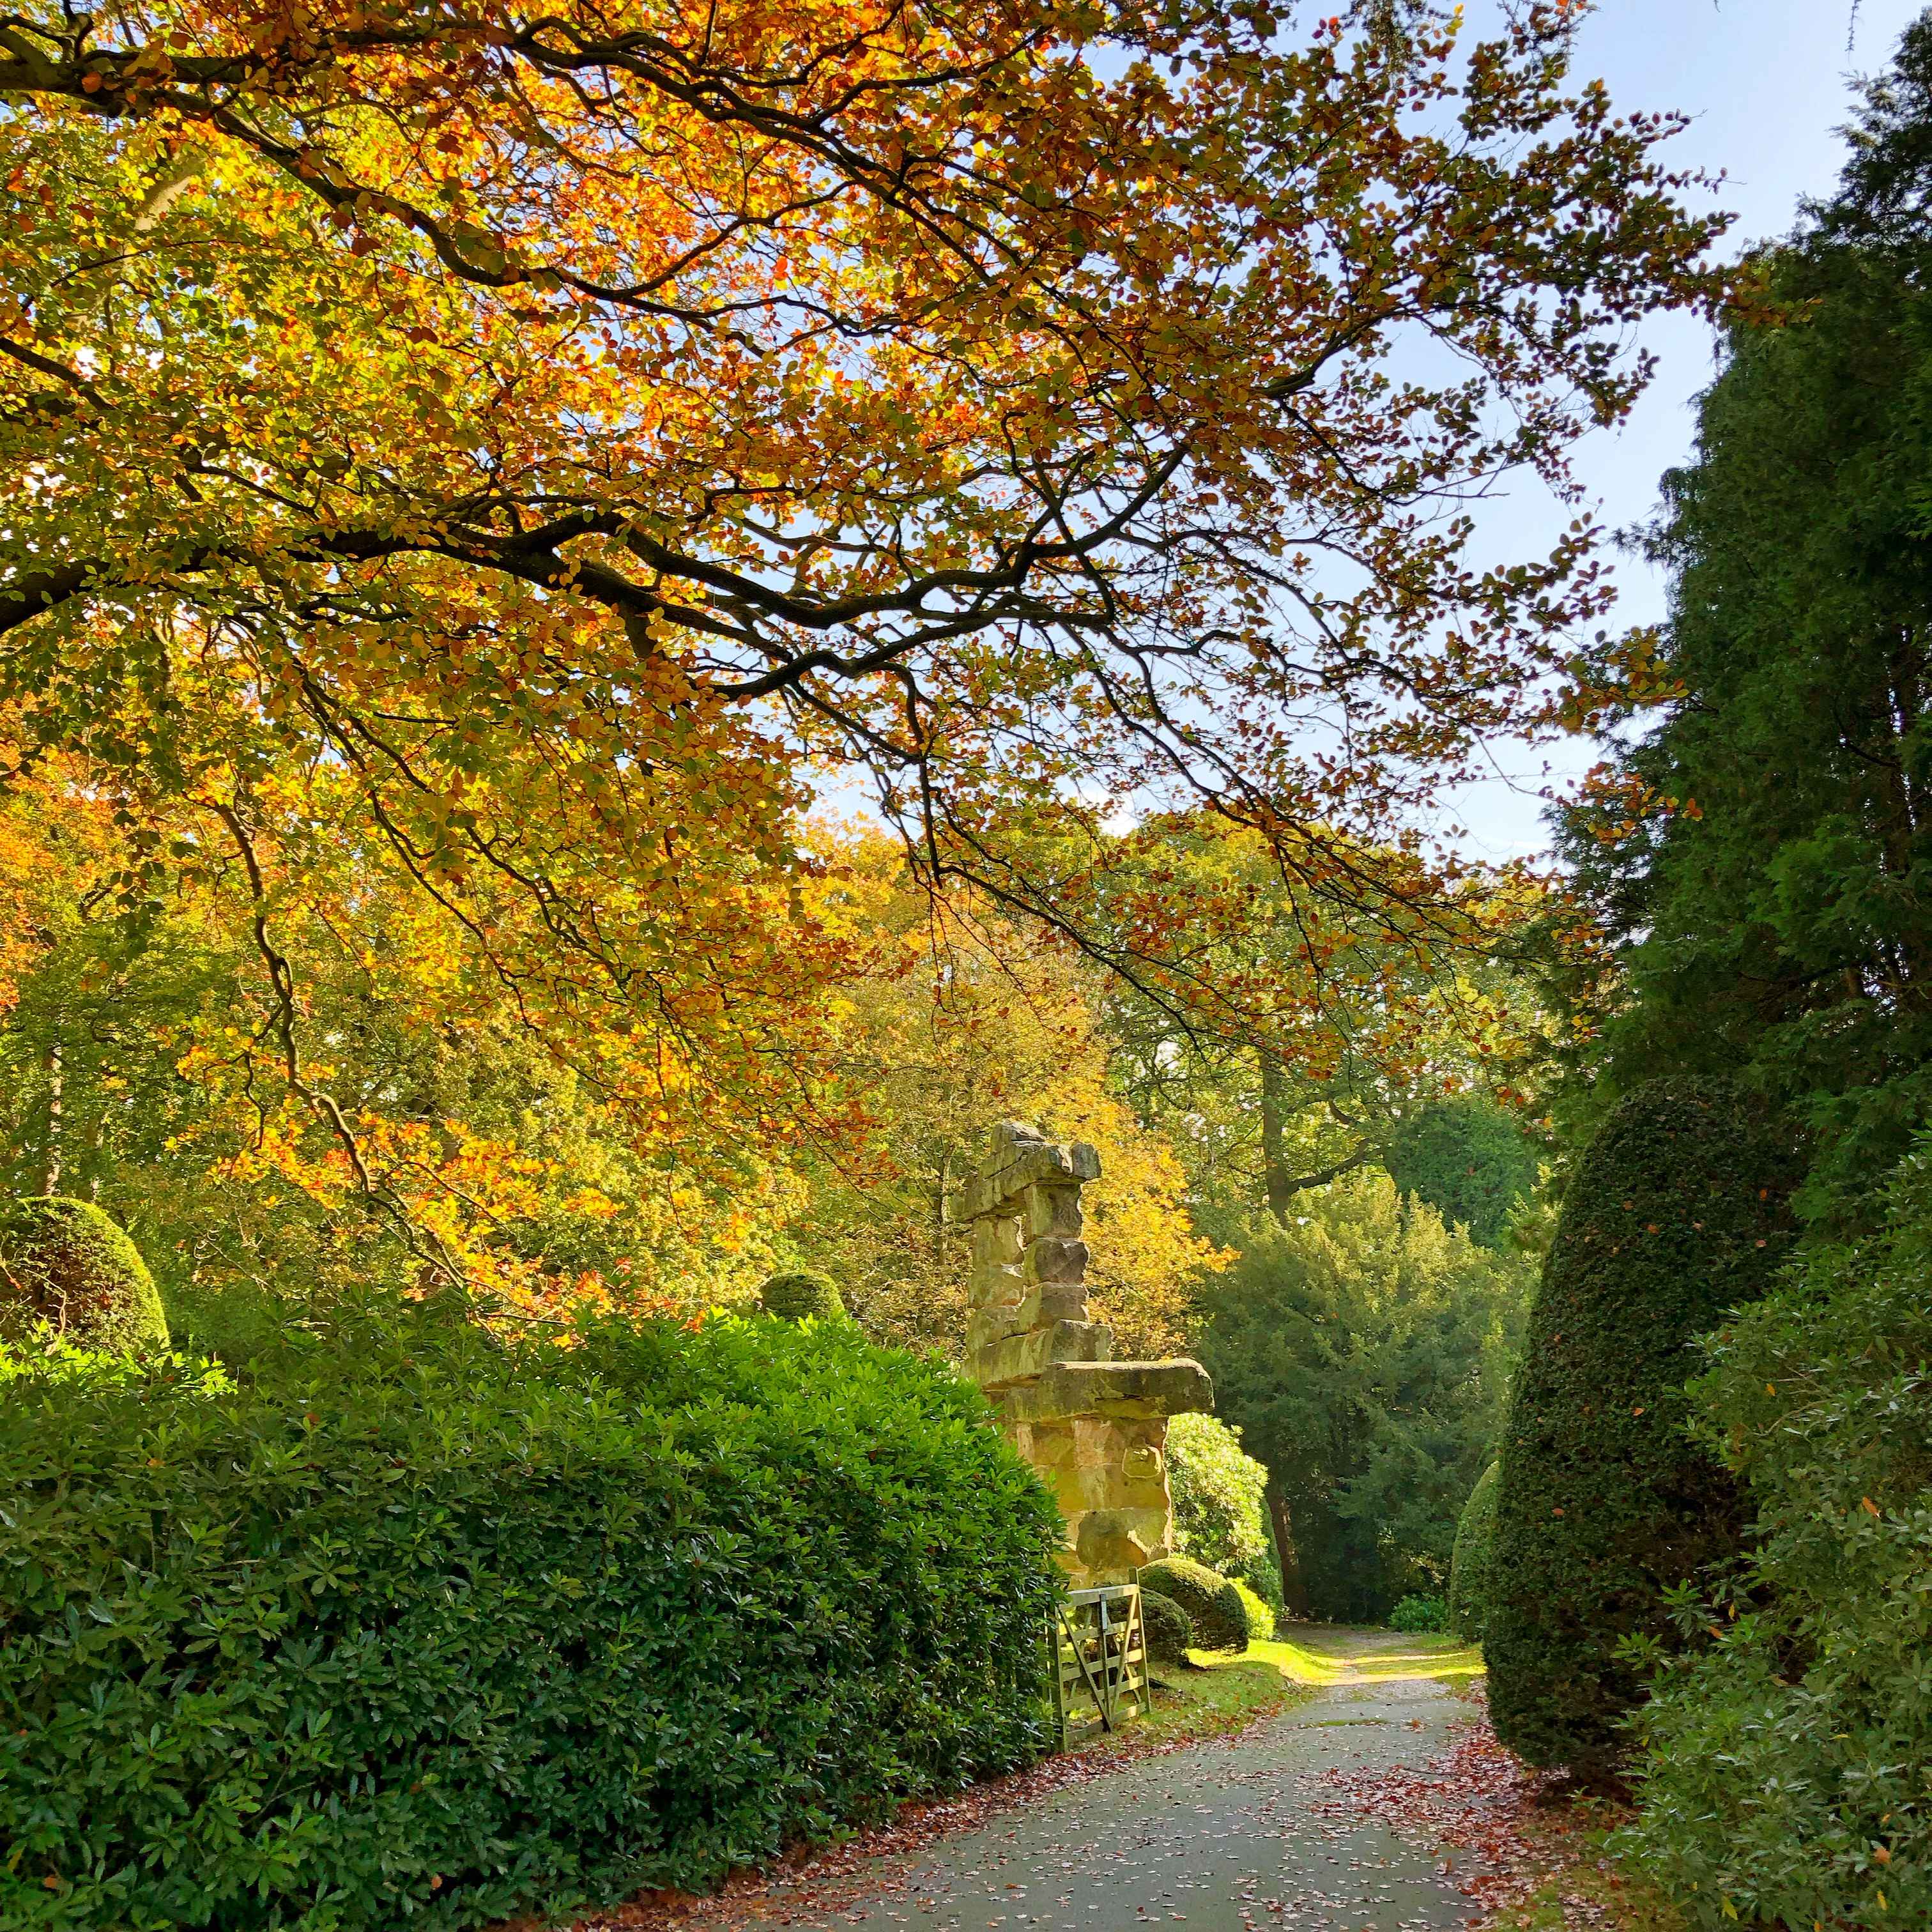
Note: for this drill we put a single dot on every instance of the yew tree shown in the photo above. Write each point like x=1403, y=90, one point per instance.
x=568, y=436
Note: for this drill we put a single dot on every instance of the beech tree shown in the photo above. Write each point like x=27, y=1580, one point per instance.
x=566, y=436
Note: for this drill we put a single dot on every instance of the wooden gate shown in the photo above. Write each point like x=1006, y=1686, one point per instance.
x=1098, y=1647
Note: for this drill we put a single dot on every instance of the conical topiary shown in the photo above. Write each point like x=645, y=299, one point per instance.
x=1675, y=1213
x=801, y=1296
x=66, y=1263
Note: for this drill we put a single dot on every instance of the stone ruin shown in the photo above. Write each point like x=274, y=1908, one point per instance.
x=1095, y=1429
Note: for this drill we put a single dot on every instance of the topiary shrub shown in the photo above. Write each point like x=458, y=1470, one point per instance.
x=1170, y=1630
x=406, y=1625
x=1213, y=1605
x=66, y=1263
x=1420, y=1615
x=1259, y=1617
x=1784, y=1780
x=1676, y=1212
x=1469, y=1563
x=802, y=1296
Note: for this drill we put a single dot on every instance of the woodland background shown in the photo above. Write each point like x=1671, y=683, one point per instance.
x=618, y=631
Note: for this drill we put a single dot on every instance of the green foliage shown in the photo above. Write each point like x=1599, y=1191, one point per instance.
x=1763, y=859
x=1213, y=1605
x=1219, y=1519
x=1469, y=1160
x=1788, y=1768
x=1470, y=1563
x=1170, y=1630
x=1364, y=1352
x=406, y=1625
x=1419, y=1614
x=1261, y=1573
x=1675, y=1213
x=65, y=1264
x=802, y=1296
x=1256, y=1613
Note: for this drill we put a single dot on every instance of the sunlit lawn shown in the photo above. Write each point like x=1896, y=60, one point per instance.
x=1221, y=1692
x=1322, y=1654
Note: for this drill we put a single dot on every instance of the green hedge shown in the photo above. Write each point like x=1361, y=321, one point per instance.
x=1675, y=1214
x=1786, y=1778
x=804, y=1295
x=1170, y=1630
x=1420, y=1615
x=1469, y=1563
x=409, y=1626
x=1256, y=1610
x=1213, y=1605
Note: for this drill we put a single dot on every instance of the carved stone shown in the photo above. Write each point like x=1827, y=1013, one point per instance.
x=1095, y=1428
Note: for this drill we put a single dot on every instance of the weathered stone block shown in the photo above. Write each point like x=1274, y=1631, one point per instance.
x=1051, y=1258
x=1116, y=1390
x=1062, y=1301
x=1094, y=1429
x=1018, y=1358
x=997, y=1320
x=1053, y=1211
x=1116, y=1542
x=997, y=1242
x=998, y=1282
x=1020, y=1160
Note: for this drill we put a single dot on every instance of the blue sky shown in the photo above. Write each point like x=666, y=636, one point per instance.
x=1767, y=83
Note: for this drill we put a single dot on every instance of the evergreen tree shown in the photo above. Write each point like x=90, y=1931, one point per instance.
x=1762, y=857
x=1469, y=1159
x=1471, y=1563
x=1364, y=1351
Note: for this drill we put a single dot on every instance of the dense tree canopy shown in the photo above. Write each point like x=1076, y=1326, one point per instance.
x=548, y=443
x=1469, y=1160
x=128, y=1075
x=1761, y=856
x=1374, y=1036
x=1364, y=1352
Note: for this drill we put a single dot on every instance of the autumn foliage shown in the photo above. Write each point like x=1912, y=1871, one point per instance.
x=521, y=458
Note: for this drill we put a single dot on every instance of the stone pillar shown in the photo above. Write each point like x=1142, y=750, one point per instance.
x=1095, y=1428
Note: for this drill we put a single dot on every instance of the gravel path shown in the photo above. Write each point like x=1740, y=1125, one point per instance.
x=1269, y=1830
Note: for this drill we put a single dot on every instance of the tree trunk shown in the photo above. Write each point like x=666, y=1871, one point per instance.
x=1279, y=1182
x=50, y=1167
x=1288, y=1560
